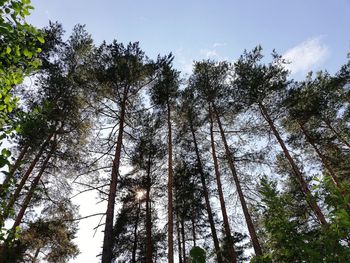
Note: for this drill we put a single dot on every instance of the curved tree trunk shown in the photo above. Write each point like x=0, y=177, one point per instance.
x=206, y=197
x=231, y=249
x=305, y=188
x=248, y=219
x=108, y=232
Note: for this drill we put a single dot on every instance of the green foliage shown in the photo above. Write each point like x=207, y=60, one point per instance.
x=19, y=47
x=198, y=255
x=291, y=238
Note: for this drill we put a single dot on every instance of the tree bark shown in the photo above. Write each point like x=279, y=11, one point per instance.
x=248, y=219
x=206, y=197
x=179, y=239
x=25, y=177
x=134, y=248
x=149, y=252
x=231, y=249
x=193, y=230
x=33, y=186
x=183, y=239
x=304, y=187
x=107, y=254
x=170, y=190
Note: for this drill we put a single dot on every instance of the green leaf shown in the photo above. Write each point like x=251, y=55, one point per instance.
x=8, y=50
x=41, y=40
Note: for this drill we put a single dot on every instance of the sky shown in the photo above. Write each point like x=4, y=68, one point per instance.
x=311, y=34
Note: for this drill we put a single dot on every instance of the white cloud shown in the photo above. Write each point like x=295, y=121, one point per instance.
x=218, y=44
x=307, y=55
x=208, y=53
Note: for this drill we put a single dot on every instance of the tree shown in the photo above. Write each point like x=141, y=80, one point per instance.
x=258, y=83
x=121, y=72
x=163, y=95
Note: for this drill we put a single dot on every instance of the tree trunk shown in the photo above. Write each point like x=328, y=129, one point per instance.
x=231, y=249
x=12, y=170
x=206, y=197
x=134, y=248
x=248, y=219
x=183, y=240
x=322, y=157
x=179, y=239
x=33, y=186
x=340, y=138
x=107, y=254
x=25, y=177
x=148, y=215
x=193, y=230
x=170, y=191
x=305, y=188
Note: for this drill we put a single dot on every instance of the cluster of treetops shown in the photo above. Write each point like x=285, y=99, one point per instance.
x=235, y=163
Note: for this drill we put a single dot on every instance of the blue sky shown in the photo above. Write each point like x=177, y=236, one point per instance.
x=313, y=34
x=197, y=29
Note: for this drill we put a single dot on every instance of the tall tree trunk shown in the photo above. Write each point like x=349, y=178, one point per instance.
x=108, y=231
x=148, y=215
x=13, y=169
x=33, y=186
x=248, y=219
x=194, y=230
x=25, y=177
x=170, y=191
x=183, y=239
x=340, y=138
x=178, y=239
x=206, y=197
x=305, y=188
x=230, y=245
x=134, y=248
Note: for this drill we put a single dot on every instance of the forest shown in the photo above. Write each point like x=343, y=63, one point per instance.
x=236, y=162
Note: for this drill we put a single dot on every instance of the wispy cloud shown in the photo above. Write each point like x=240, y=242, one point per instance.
x=307, y=55
x=218, y=44
x=208, y=53
x=212, y=52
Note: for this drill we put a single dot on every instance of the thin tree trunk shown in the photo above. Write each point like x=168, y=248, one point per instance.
x=25, y=177
x=107, y=254
x=305, y=188
x=183, y=239
x=322, y=157
x=13, y=169
x=178, y=239
x=170, y=191
x=36, y=255
x=206, y=197
x=134, y=248
x=230, y=245
x=148, y=215
x=33, y=186
x=336, y=133
x=248, y=219
x=194, y=230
